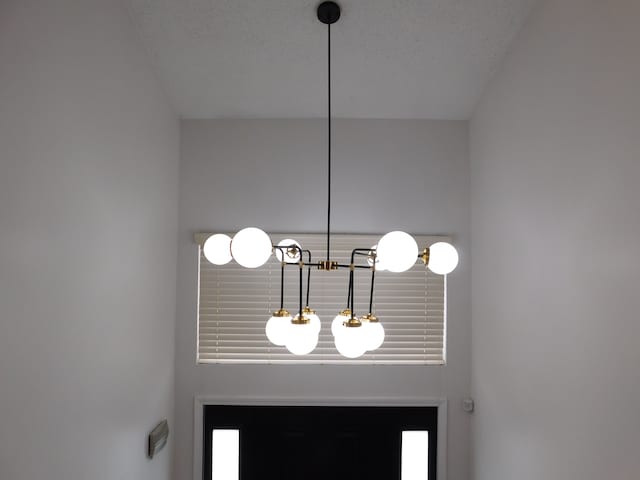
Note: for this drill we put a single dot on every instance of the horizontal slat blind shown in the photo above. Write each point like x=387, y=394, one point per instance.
x=235, y=304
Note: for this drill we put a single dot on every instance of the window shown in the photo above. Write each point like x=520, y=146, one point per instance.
x=225, y=454
x=311, y=442
x=235, y=303
x=414, y=460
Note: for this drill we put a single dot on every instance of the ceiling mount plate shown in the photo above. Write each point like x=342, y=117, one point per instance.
x=328, y=12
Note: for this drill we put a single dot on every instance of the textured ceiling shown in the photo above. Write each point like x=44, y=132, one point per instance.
x=267, y=58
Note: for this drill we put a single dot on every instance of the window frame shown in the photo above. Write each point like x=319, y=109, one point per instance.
x=200, y=401
x=420, y=339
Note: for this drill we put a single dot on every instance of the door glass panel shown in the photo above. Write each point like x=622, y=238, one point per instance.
x=415, y=455
x=225, y=454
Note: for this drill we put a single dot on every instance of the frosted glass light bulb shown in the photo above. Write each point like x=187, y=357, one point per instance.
x=398, y=251
x=443, y=258
x=277, y=328
x=373, y=333
x=289, y=255
x=217, y=249
x=342, y=317
x=379, y=264
x=350, y=342
x=251, y=247
x=313, y=318
x=302, y=340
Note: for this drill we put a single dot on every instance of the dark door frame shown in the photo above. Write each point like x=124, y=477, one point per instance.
x=202, y=400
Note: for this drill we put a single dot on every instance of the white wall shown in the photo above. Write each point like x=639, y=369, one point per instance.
x=88, y=228
x=410, y=175
x=555, y=154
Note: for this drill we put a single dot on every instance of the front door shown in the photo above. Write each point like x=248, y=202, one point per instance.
x=320, y=443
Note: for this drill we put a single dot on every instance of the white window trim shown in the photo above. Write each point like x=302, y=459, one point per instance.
x=202, y=400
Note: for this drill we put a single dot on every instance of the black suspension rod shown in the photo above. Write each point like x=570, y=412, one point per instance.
x=349, y=289
x=300, y=280
x=329, y=140
x=308, y=274
x=282, y=285
x=373, y=277
x=308, y=283
x=351, y=282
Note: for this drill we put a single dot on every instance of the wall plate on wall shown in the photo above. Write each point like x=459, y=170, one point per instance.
x=158, y=438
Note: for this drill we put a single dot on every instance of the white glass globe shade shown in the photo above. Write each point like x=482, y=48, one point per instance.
x=337, y=323
x=217, y=249
x=287, y=242
x=397, y=251
x=350, y=342
x=443, y=258
x=302, y=340
x=314, y=321
x=251, y=247
x=379, y=265
x=374, y=335
x=277, y=330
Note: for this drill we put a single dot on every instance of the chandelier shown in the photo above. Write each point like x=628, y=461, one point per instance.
x=395, y=252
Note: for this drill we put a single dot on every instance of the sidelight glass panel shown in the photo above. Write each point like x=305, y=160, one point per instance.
x=415, y=455
x=225, y=454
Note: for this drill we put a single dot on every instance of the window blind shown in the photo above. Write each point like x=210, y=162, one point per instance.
x=234, y=304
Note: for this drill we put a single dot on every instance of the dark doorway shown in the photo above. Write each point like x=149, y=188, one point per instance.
x=313, y=443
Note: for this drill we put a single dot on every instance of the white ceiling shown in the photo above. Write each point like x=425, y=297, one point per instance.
x=267, y=58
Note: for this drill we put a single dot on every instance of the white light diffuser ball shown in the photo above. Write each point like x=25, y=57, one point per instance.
x=374, y=335
x=397, y=251
x=314, y=321
x=302, y=340
x=217, y=249
x=379, y=265
x=251, y=247
x=277, y=330
x=337, y=323
x=443, y=258
x=287, y=242
x=351, y=342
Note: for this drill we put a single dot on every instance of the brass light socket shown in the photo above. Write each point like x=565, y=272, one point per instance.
x=281, y=313
x=293, y=252
x=425, y=256
x=353, y=323
x=298, y=320
x=307, y=311
x=346, y=312
x=370, y=317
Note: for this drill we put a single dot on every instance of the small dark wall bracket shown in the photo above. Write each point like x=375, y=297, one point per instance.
x=158, y=438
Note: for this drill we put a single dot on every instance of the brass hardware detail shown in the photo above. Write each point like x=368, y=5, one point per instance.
x=425, y=256
x=327, y=265
x=352, y=323
x=307, y=311
x=298, y=320
x=370, y=317
x=292, y=252
x=281, y=313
